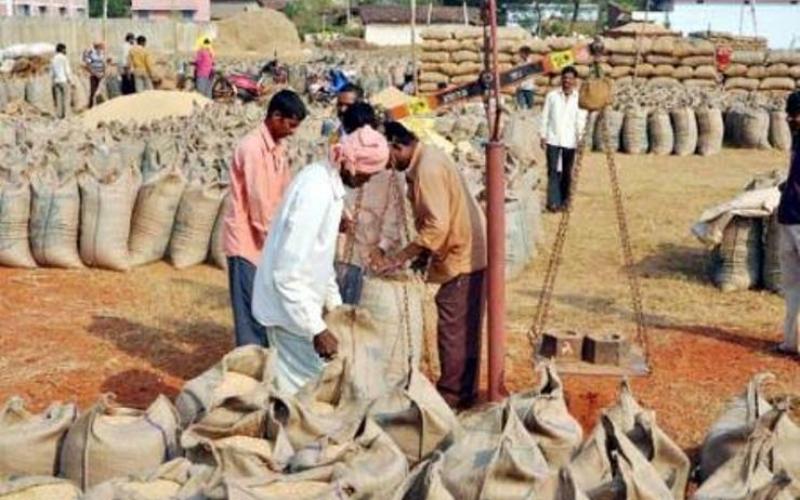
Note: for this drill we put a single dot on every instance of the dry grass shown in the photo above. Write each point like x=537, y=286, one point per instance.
x=73, y=334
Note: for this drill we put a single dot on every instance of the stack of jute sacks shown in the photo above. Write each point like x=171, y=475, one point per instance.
x=773, y=70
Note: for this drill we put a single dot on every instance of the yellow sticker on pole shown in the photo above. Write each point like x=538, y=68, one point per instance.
x=562, y=59
x=419, y=106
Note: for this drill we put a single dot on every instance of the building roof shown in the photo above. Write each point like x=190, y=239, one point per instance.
x=391, y=14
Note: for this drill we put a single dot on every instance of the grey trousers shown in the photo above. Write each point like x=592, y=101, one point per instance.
x=790, y=275
x=61, y=98
x=241, y=274
x=203, y=86
x=142, y=83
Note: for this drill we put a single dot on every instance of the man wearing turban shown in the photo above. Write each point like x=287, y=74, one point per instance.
x=295, y=281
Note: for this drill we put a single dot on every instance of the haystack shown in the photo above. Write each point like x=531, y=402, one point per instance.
x=263, y=32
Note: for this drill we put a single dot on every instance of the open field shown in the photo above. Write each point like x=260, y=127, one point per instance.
x=73, y=334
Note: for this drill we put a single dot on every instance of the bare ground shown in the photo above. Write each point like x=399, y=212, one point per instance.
x=71, y=335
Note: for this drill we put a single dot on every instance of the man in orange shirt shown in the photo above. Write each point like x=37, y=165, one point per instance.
x=259, y=176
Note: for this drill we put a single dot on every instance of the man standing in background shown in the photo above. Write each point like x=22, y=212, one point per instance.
x=259, y=176
x=562, y=127
x=62, y=78
x=141, y=64
x=94, y=60
x=789, y=220
x=526, y=90
x=125, y=77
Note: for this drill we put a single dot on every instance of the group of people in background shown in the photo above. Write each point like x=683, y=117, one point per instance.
x=133, y=72
x=281, y=239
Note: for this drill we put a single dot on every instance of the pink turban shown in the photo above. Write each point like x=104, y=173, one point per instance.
x=365, y=151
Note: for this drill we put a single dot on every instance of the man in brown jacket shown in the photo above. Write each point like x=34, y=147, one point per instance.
x=451, y=233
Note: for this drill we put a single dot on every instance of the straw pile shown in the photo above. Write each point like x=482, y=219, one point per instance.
x=263, y=31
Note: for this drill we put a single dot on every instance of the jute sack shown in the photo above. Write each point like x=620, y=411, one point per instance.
x=437, y=33
x=639, y=425
x=544, y=414
x=622, y=60
x=620, y=72
x=683, y=72
x=194, y=222
x=15, y=89
x=780, y=135
x=595, y=94
x=245, y=374
x=710, y=130
x=656, y=59
x=496, y=457
x=748, y=57
x=154, y=215
x=794, y=72
x=644, y=70
x=706, y=73
x=433, y=78
x=778, y=70
x=29, y=443
x=38, y=488
x=361, y=342
x=664, y=45
x=757, y=72
x=659, y=128
x=747, y=127
x=178, y=478
x=55, y=217
x=729, y=433
x=466, y=56
x=772, y=262
x=634, y=131
x=366, y=465
x=695, y=61
x=609, y=465
x=233, y=442
x=38, y=92
x=742, y=83
x=736, y=262
x=435, y=57
x=695, y=83
x=610, y=121
x=110, y=441
x=15, y=209
x=757, y=470
x=216, y=250
x=790, y=57
x=395, y=306
x=518, y=252
x=106, y=208
x=735, y=70
x=684, y=126
x=425, y=481
x=664, y=70
x=416, y=418
x=787, y=84
x=79, y=96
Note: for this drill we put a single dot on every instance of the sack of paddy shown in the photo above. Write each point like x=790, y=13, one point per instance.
x=216, y=251
x=735, y=70
x=178, y=478
x=610, y=465
x=194, y=221
x=543, y=412
x=790, y=57
x=29, y=443
x=430, y=77
x=106, y=206
x=748, y=127
x=154, y=214
x=757, y=72
x=683, y=72
x=634, y=131
x=772, y=261
x=38, y=93
x=659, y=128
x=15, y=89
x=15, y=209
x=767, y=465
x=235, y=442
x=787, y=84
x=519, y=246
x=362, y=343
x=780, y=135
x=416, y=418
x=517, y=135
x=495, y=457
x=736, y=262
x=742, y=83
x=664, y=45
x=779, y=70
x=620, y=72
x=435, y=57
x=38, y=488
x=794, y=72
x=79, y=96
x=657, y=59
x=396, y=308
x=706, y=73
x=466, y=56
x=748, y=57
x=109, y=441
x=622, y=60
x=696, y=61
x=55, y=217
x=684, y=126
x=710, y=130
x=639, y=425
x=730, y=432
x=362, y=464
x=609, y=127
x=245, y=374
x=596, y=93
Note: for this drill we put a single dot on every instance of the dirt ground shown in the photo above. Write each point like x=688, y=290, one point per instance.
x=71, y=335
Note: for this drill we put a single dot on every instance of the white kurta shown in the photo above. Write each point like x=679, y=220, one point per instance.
x=295, y=279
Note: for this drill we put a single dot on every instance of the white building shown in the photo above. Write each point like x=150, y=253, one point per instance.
x=776, y=20
x=387, y=25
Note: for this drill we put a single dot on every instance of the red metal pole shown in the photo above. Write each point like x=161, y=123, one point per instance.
x=496, y=227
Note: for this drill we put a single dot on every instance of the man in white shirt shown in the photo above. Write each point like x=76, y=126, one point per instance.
x=526, y=90
x=62, y=77
x=563, y=123
x=295, y=281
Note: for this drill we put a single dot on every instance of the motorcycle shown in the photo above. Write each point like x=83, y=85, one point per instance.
x=249, y=87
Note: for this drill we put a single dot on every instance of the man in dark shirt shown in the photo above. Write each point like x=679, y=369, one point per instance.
x=789, y=220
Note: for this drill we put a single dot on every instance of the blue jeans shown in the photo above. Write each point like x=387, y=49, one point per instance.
x=350, y=279
x=525, y=98
x=241, y=274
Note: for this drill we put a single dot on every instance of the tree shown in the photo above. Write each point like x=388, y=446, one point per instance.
x=116, y=8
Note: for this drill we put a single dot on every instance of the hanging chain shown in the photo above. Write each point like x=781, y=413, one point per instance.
x=545, y=296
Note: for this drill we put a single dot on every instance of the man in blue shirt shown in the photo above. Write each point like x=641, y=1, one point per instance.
x=789, y=220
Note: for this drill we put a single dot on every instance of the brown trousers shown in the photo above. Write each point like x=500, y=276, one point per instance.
x=460, y=304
